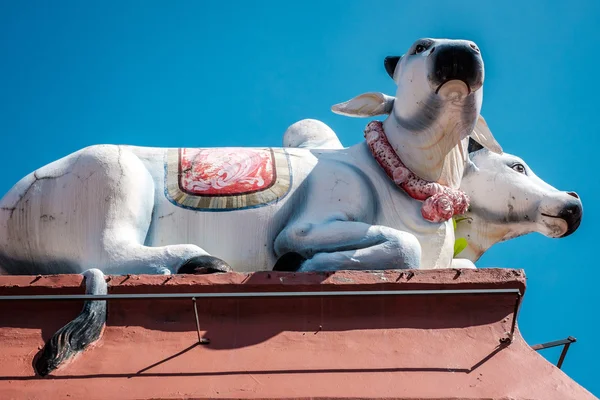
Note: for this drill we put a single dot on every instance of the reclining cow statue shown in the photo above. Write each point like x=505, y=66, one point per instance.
x=385, y=203
x=126, y=209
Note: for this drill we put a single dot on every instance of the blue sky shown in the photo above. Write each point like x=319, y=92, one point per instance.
x=192, y=73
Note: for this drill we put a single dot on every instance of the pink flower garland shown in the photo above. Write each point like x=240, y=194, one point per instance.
x=440, y=202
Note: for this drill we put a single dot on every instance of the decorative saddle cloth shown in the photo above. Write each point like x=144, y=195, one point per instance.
x=229, y=178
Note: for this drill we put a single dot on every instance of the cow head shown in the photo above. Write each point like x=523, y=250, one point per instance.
x=509, y=200
x=437, y=103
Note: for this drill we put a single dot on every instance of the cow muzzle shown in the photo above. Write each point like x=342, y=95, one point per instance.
x=459, y=63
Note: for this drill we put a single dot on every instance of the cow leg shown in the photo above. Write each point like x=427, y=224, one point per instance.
x=134, y=258
x=346, y=245
x=333, y=229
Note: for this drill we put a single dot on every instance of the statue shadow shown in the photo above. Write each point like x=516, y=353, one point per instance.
x=147, y=372
x=241, y=322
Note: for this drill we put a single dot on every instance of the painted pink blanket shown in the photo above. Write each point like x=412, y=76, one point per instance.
x=230, y=178
x=226, y=171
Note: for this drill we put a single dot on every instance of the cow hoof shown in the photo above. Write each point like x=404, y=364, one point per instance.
x=202, y=265
x=289, y=262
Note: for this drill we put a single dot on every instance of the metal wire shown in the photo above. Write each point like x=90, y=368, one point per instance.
x=140, y=296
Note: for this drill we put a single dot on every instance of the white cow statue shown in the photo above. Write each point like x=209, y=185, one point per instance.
x=125, y=209
x=110, y=209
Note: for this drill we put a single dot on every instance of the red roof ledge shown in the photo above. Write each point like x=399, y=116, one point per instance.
x=379, y=346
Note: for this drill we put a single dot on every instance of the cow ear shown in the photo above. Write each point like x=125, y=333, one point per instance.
x=484, y=137
x=366, y=105
x=390, y=64
x=474, y=146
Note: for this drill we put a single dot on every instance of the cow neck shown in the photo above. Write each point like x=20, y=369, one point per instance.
x=440, y=202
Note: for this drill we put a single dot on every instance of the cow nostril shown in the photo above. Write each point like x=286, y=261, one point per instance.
x=432, y=50
x=474, y=47
x=571, y=214
x=573, y=194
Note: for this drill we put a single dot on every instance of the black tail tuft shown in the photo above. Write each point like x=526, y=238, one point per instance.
x=75, y=336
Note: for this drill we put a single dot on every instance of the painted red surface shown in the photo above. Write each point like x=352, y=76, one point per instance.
x=225, y=171
x=390, y=347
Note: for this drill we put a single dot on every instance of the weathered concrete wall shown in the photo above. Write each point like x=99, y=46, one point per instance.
x=401, y=347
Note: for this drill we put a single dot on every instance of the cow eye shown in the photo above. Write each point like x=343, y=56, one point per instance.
x=423, y=45
x=520, y=168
